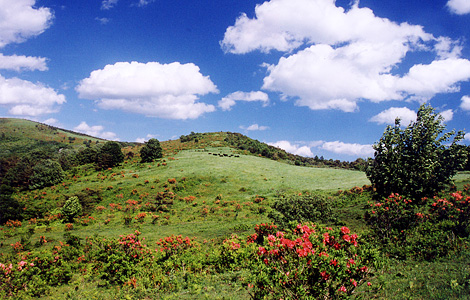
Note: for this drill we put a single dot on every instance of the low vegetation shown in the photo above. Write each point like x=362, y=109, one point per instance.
x=209, y=221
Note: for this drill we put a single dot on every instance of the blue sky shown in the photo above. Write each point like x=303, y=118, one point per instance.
x=314, y=77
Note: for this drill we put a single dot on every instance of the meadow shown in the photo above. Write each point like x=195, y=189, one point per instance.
x=180, y=228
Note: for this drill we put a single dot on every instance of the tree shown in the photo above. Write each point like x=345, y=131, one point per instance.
x=416, y=161
x=109, y=156
x=152, y=150
x=46, y=173
x=9, y=206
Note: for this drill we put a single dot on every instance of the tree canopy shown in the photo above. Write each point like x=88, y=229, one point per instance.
x=417, y=161
x=152, y=150
x=109, y=156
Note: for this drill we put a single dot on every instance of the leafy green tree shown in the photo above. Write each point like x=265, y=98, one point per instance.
x=152, y=150
x=109, y=155
x=71, y=208
x=46, y=173
x=87, y=156
x=417, y=161
x=9, y=206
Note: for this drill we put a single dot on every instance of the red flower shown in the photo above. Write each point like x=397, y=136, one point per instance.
x=345, y=230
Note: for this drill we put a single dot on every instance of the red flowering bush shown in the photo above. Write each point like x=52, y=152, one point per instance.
x=426, y=230
x=306, y=262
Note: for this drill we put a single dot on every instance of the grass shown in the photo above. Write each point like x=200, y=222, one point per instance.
x=225, y=182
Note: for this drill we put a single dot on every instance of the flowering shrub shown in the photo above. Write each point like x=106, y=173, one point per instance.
x=32, y=275
x=306, y=262
x=425, y=230
x=141, y=217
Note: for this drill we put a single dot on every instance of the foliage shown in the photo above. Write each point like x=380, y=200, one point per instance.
x=151, y=151
x=9, y=206
x=302, y=208
x=306, y=262
x=426, y=230
x=87, y=155
x=416, y=161
x=109, y=155
x=46, y=173
x=71, y=208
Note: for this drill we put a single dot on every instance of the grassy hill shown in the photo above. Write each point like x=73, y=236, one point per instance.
x=19, y=136
x=202, y=189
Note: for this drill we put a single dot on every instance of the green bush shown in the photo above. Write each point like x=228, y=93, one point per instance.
x=151, y=151
x=71, y=208
x=46, y=173
x=302, y=208
x=109, y=156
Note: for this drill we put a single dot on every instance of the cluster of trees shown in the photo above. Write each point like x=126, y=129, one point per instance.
x=191, y=137
x=243, y=142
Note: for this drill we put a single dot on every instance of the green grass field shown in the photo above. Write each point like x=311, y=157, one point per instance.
x=215, y=191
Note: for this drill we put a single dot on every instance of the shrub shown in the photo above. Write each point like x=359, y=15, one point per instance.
x=305, y=262
x=46, y=173
x=302, y=208
x=71, y=208
x=151, y=151
x=109, y=156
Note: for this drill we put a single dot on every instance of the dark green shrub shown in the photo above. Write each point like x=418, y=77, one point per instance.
x=302, y=208
x=151, y=151
x=109, y=156
x=46, y=173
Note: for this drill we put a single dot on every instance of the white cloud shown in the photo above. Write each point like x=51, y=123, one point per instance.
x=143, y=140
x=459, y=7
x=388, y=116
x=254, y=127
x=448, y=115
x=357, y=150
x=52, y=122
x=285, y=25
x=227, y=102
x=103, y=21
x=350, y=55
x=292, y=148
x=95, y=131
x=22, y=63
x=20, y=20
x=465, y=105
x=108, y=4
x=467, y=136
x=25, y=98
x=169, y=91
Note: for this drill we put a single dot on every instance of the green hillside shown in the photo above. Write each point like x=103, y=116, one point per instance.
x=123, y=241
x=19, y=136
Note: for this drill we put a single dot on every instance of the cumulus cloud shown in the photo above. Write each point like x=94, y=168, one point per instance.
x=350, y=55
x=388, y=116
x=465, y=105
x=103, y=21
x=145, y=139
x=169, y=91
x=22, y=63
x=95, y=131
x=448, y=115
x=293, y=148
x=21, y=19
x=460, y=7
x=305, y=148
x=25, y=98
x=108, y=4
x=227, y=102
x=357, y=150
x=467, y=136
x=254, y=127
